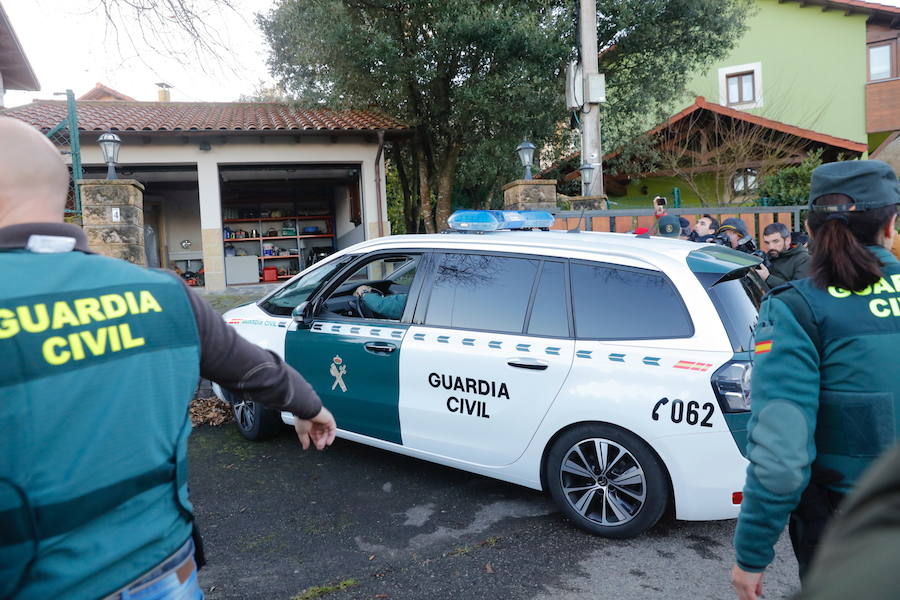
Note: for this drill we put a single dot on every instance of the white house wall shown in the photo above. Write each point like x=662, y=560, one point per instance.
x=250, y=150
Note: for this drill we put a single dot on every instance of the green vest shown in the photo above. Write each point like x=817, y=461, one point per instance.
x=859, y=401
x=99, y=361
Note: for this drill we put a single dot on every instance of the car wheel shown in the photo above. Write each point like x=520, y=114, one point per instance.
x=255, y=421
x=606, y=480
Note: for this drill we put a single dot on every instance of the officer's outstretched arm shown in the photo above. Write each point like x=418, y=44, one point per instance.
x=781, y=443
x=248, y=371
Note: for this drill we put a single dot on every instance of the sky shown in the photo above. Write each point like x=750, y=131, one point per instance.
x=71, y=46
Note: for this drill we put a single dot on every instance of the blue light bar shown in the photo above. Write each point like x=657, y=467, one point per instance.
x=493, y=220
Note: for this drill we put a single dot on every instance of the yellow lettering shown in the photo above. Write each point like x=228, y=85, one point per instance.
x=895, y=306
x=881, y=286
x=8, y=324
x=127, y=340
x=148, y=302
x=56, y=358
x=88, y=310
x=113, y=306
x=132, y=303
x=115, y=344
x=63, y=315
x=41, y=321
x=883, y=311
x=838, y=292
x=895, y=279
x=865, y=291
x=97, y=345
x=76, y=346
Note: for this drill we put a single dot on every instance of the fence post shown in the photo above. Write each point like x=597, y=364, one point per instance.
x=74, y=147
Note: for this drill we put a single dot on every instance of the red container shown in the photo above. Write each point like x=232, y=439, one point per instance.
x=270, y=274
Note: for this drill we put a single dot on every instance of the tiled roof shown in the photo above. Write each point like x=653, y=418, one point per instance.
x=200, y=116
x=701, y=103
x=102, y=92
x=855, y=6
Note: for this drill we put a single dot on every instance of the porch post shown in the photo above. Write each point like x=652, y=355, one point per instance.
x=211, y=223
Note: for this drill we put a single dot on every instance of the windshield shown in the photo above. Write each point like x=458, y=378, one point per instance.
x=737, y=297
x=287, y=298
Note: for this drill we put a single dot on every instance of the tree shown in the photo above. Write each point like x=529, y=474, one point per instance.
x=472, y=78
x=790, y=185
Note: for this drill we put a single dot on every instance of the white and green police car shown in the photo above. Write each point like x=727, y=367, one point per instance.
x=611, y=370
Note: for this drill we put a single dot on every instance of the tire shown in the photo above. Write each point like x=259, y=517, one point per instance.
x=622, y=499
x=255, y=421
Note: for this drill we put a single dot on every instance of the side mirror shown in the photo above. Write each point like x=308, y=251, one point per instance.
x=300, y=314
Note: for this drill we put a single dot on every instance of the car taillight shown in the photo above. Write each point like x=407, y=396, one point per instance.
x=731, y=383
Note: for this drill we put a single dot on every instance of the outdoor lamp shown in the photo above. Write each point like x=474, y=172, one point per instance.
x=109, y=144
x=526, y=154
x=587, y=175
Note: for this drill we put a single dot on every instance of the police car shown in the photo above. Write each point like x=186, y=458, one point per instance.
x=610, y=370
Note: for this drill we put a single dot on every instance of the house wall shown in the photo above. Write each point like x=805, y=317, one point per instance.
x=813, y=68
x=184, y=150
x=662, y=186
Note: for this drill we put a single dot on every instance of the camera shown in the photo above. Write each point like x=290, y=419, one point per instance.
x=745, y=245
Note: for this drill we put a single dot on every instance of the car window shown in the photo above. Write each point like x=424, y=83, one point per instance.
x=378, y=289
x=623, y=303
x=548, y=314
x=299, y=290
x=472, y=291
x=737, y=298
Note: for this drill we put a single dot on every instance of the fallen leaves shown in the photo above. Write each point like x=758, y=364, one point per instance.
x=210, y=411
x=489, y=568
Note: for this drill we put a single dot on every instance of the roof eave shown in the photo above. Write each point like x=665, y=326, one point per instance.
x=21, y=76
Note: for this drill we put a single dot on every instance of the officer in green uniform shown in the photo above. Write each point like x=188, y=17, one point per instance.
x=825, y=384
x=99, y=361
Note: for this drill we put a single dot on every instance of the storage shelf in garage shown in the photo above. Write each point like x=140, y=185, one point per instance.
x=271, y=257
x=242, y=239
x=299, y=218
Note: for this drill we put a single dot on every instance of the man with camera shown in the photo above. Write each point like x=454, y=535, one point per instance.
x=787, y=261
x=733, y=233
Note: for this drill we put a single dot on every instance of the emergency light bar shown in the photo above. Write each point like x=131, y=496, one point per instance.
x=494, y=220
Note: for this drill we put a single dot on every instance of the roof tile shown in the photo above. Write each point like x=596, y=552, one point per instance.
x=200, y=116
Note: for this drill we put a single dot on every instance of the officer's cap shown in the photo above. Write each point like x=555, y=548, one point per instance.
x=868, y=183
x=669, y=226
x=733, y=224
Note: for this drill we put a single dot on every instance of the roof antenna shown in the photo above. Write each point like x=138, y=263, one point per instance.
x=577, y=228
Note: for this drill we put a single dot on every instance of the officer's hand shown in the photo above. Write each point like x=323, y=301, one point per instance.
x=763, y=272
x=363, y=289
x=319, y=430
x=748, y=585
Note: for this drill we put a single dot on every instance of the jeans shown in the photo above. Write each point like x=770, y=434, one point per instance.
x=174, y=579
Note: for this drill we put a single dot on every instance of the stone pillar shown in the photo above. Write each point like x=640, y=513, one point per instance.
x=530, y=194
x=211, y=223
x=113, y=217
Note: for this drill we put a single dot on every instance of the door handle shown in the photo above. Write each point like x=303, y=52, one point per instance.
x=532, y=364
x=380, y=347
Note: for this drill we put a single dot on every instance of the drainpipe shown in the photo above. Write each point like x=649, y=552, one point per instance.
x=378, y=181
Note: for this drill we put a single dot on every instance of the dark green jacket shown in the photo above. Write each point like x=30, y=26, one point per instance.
x=826, y=395
x=858, y=557
x=792, y=264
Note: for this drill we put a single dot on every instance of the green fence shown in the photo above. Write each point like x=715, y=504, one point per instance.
x=65, y=137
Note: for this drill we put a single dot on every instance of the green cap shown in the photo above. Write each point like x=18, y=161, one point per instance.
x=669, y=226
x=868, y=183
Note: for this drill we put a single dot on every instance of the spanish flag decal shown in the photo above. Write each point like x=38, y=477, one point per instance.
x=763, y=347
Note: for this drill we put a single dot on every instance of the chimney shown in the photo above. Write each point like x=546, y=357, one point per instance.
x=163, y=92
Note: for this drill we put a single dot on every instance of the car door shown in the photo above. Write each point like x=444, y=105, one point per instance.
x=351, y=356
x=487, y=356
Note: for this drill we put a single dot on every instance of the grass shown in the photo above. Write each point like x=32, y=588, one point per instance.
x=317, y=591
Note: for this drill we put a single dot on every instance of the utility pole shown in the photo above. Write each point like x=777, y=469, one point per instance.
x=594, y=94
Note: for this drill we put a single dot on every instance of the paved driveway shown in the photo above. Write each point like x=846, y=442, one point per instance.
x=356, y=522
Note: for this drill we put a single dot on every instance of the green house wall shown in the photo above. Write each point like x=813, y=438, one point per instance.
x=813, y=68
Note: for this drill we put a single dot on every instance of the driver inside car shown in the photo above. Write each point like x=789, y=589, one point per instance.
x=384, y=307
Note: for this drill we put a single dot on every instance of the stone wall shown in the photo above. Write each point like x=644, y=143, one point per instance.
x=113, y=218
x=530, y=194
